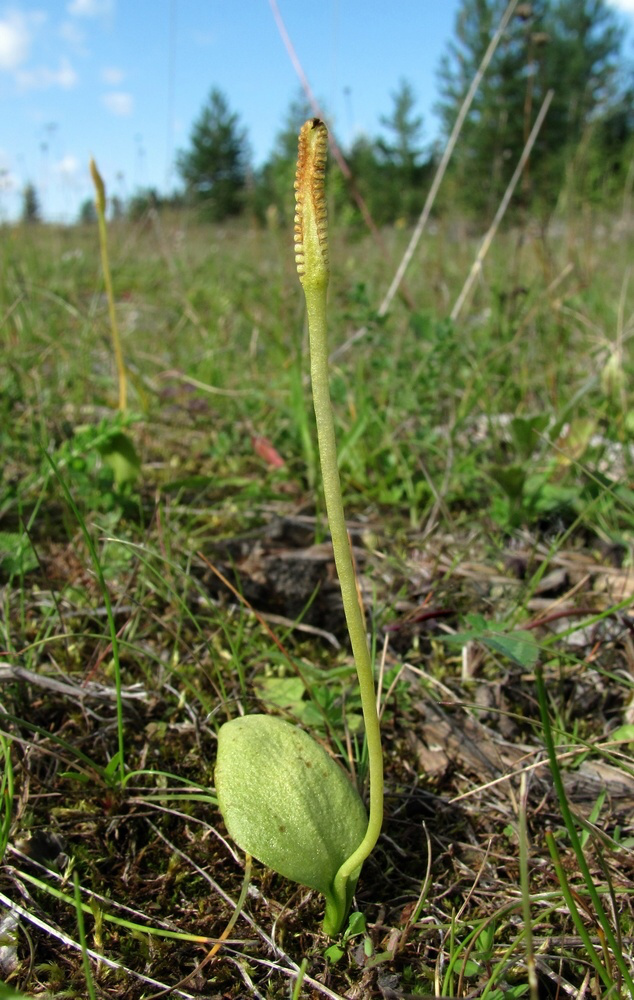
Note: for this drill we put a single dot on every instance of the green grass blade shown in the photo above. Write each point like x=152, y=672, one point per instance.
x=114, y=638
x=572, y=833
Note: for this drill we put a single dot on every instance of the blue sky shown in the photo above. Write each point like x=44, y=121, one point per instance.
x=123, y=80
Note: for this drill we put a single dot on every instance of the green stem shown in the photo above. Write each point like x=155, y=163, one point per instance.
x=574, y=911
x=100, y=200
x=317, y=328
x=90, y=985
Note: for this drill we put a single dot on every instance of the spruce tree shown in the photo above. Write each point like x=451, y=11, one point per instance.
x=215, y=166
x=30, y=204
x=401, y=156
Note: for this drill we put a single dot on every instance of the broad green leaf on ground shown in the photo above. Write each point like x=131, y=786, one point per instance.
x=285, y=801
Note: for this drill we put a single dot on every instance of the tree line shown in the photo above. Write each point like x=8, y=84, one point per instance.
x=584, y=151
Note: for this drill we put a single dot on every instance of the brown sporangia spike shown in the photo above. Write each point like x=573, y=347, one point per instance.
x=311, y=215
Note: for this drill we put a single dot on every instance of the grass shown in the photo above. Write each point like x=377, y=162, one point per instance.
x=487, y=473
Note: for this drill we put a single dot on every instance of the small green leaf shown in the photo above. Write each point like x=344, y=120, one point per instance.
x=471, y=968
x=112, y=767
x=334, y=953
x=511, y=478
x=484, y=942
x=79, y=776
x=624, y=734
x=526, y=432
x=282, y=692
x=286, y=802
x=356, y=925
x=519, y=646
x=477, y=623
x=572, y=445
x=510, y=992
x=120, y=454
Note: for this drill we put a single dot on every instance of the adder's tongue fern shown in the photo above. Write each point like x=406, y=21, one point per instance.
x=311, y=254
x=283, y=799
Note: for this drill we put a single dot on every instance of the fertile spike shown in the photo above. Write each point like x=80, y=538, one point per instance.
x=311, y=215
x=100, y=188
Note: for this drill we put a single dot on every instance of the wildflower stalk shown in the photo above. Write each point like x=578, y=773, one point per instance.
x=311, y=254
x=100, y=201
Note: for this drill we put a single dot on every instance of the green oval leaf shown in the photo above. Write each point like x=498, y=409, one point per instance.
x=285, y=801
x=120, y=454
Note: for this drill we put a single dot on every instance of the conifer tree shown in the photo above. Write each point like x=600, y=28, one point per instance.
x=30, y=204
x=215, y=166
x=405, y=127
x=401, y=156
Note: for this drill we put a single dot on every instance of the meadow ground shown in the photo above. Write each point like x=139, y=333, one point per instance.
x=165, y=569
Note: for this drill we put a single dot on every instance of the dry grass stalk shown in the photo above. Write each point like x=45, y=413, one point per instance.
x=446, y=157
x=499, y=215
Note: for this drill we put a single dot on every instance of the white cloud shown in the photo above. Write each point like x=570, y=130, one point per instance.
x=112, y=75
x=89, y=8
x=68, y=167
x=41, y=77
x=118, y=103
x=627, y=6
x=15, y=40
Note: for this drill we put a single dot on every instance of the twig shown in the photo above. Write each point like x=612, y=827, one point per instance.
x=508, y=194
x=83, y=692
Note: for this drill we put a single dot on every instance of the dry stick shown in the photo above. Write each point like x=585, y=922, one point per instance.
x=336, y=152
x=508, y=194
x=446, y=156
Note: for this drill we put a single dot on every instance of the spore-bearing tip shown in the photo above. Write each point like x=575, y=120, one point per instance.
x=311, y=216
